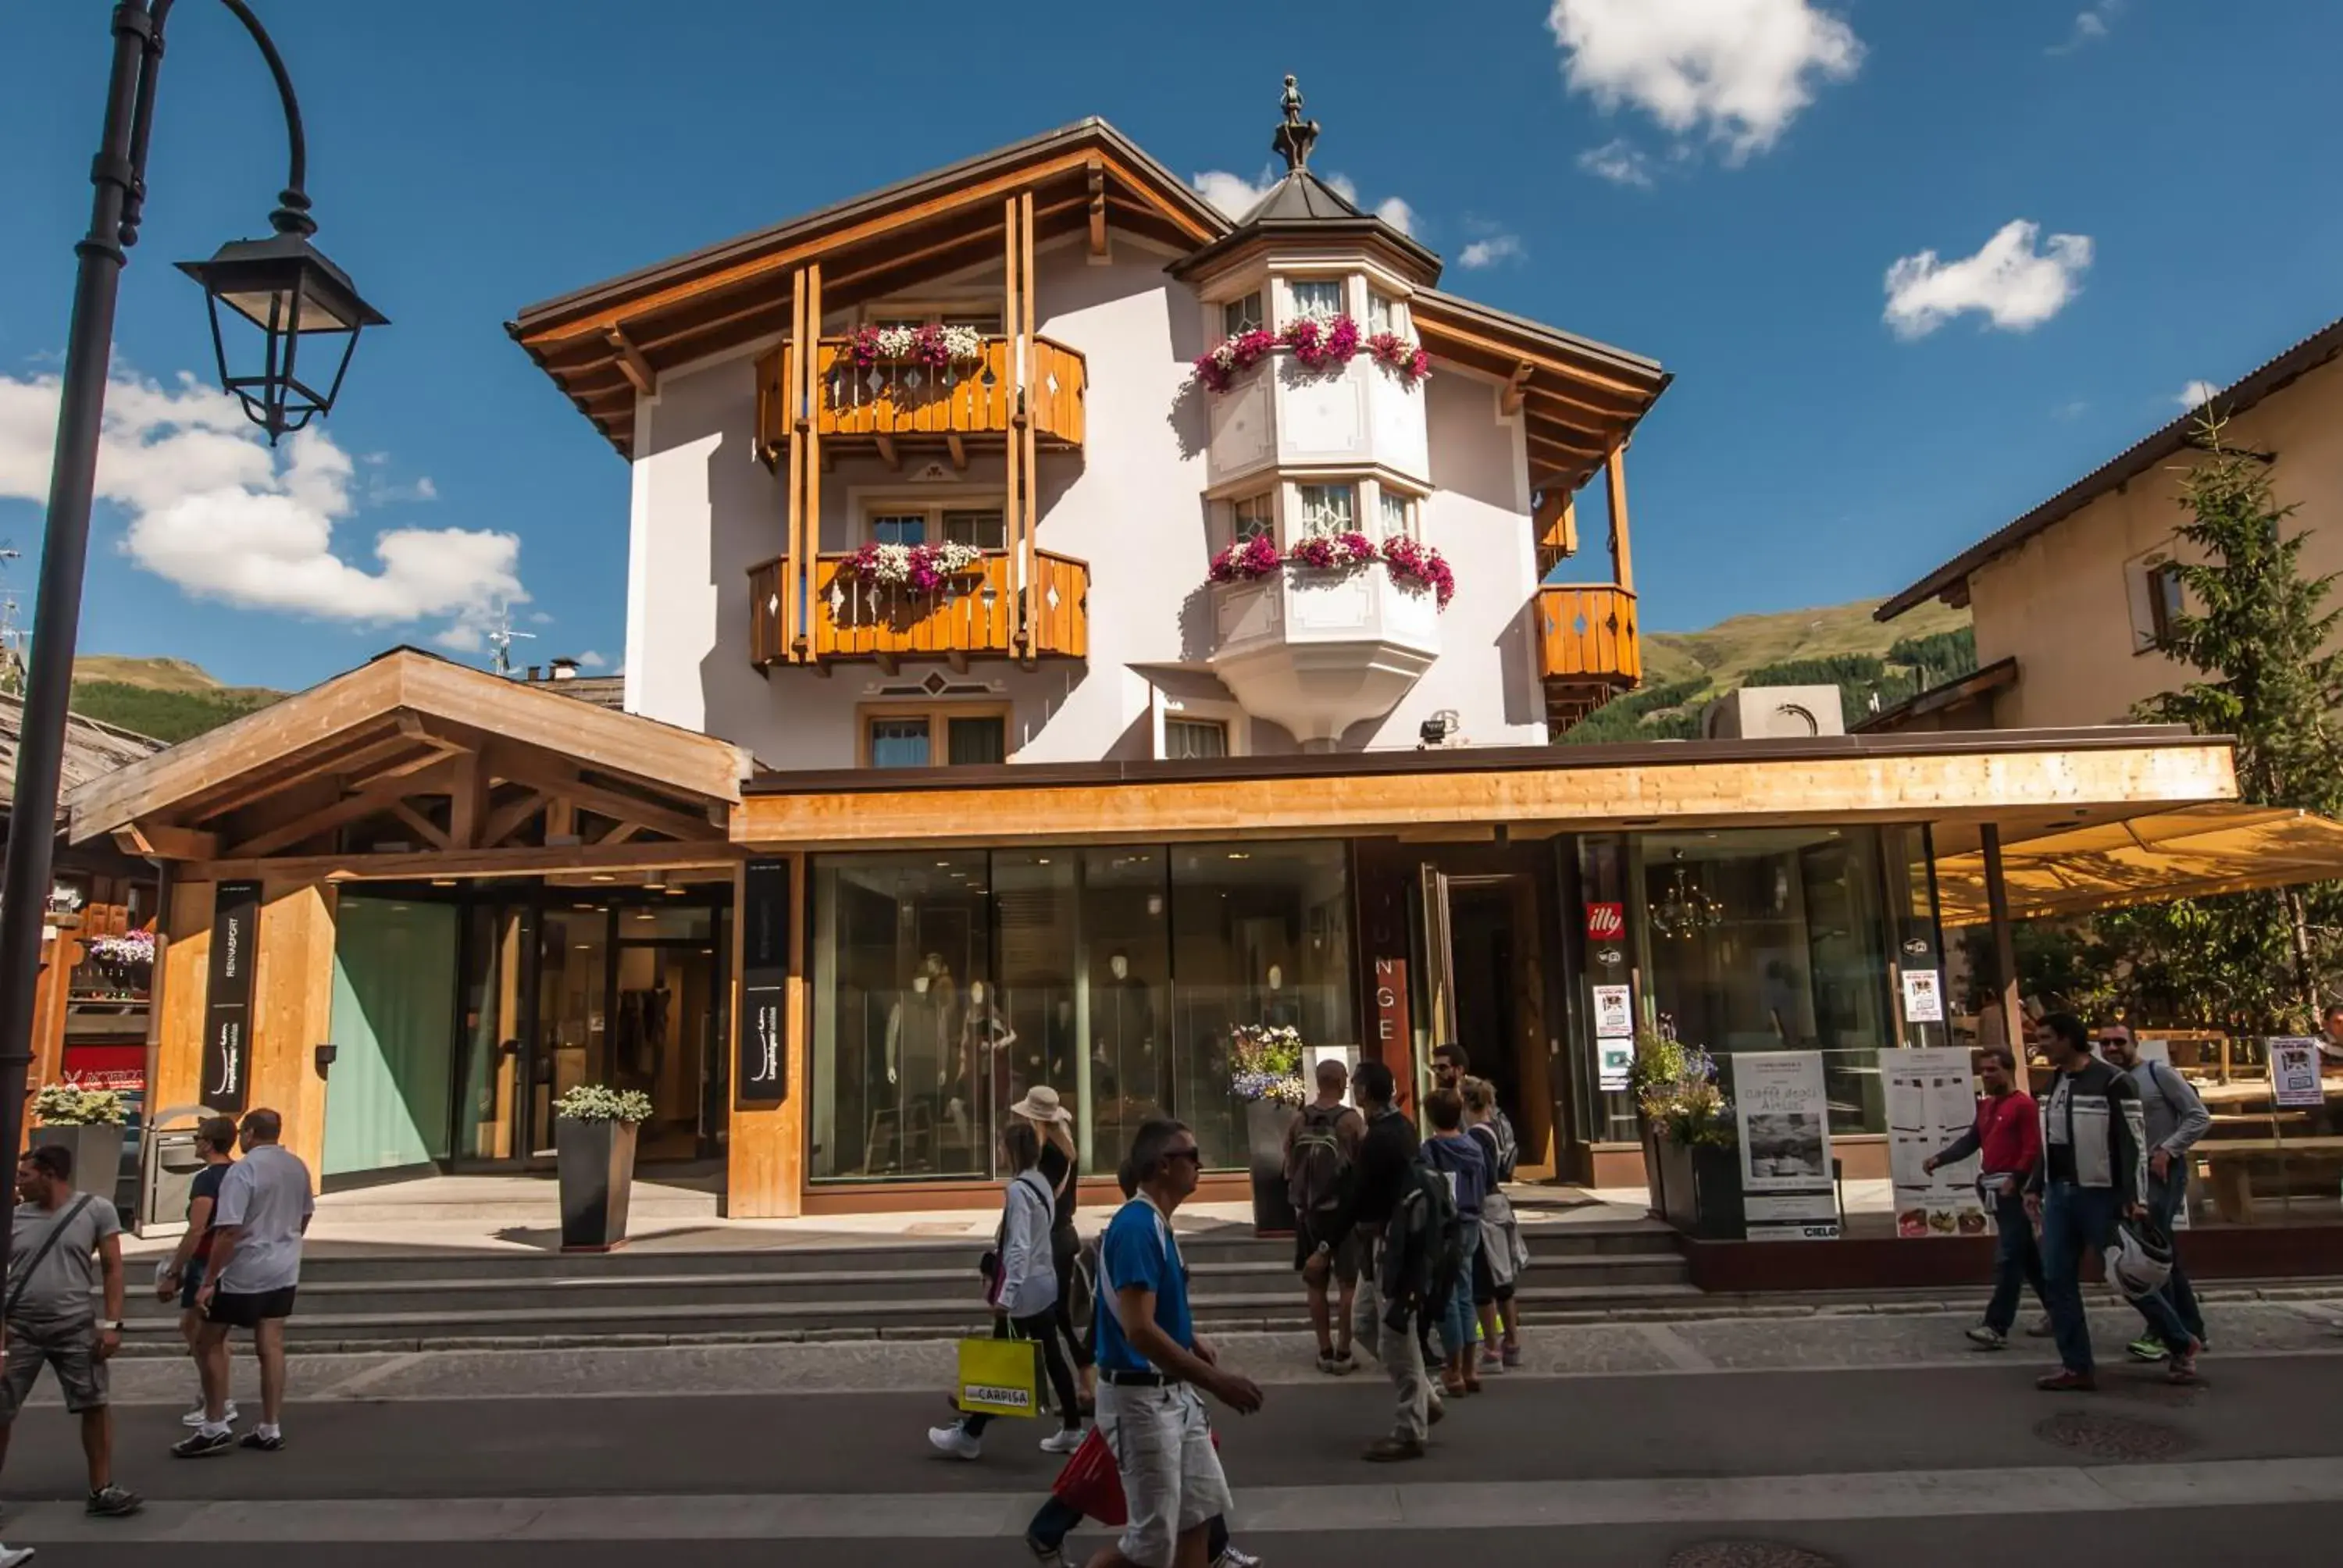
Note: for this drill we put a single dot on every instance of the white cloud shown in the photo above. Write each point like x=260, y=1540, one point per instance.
x=2015, y=285
x=1619, y=161
x=539, y=618
x=589, y=660
x=1737, y=72
x=2196, y=394
x=1236, y=196
x=213, y=508
x=1488, y=252
x=2090, y=26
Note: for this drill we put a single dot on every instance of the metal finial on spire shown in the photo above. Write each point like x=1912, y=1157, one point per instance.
x=1292, y=138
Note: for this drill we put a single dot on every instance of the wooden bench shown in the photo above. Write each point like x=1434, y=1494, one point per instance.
x=2229, y=1164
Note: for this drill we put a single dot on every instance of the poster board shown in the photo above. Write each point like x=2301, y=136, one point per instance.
x=2294, y=1072
x=1615, y=1063
x=1923, y=997
x=1782, y=1115
x=1932, y=1098
x=1614, y=1012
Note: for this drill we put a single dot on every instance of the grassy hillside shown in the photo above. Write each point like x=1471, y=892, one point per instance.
x=1726, y=652
x=168, y=698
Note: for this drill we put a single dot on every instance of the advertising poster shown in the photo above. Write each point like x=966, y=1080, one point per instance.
x=1923, y=997
x=1783, y=1116
x=1616, y=1061
x=1932, y=1098
x=1614, y=1013
x=2293, y=1073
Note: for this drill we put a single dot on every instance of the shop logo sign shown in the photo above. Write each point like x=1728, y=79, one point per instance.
x=1606, y=923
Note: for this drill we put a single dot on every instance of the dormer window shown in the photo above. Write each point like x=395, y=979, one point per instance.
x=1318, y=296
x=1241, y=316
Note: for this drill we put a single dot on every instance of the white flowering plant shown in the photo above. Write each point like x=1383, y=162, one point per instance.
x=71, y=1105
x=601, y=1102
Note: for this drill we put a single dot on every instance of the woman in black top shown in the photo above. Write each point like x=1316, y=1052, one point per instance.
x=1060, y=1167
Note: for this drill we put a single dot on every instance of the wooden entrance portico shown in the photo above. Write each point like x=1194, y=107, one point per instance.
x=408, y=768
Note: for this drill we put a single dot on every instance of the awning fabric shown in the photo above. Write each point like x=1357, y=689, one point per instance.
x=2189, y=853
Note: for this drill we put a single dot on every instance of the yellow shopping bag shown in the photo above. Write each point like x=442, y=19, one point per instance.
x=1001, y=1377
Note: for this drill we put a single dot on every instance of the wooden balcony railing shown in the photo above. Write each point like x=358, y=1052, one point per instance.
x=1588, y=636
x=895, y=400
x=974, y=617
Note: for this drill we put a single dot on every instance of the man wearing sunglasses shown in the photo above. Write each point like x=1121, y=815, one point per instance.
x=1152, y=1365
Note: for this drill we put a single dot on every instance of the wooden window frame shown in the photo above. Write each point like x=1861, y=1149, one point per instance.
x=939, y=734
x=869, y=510
x=933, y=312
x=1203, y=721
x=2162, y=577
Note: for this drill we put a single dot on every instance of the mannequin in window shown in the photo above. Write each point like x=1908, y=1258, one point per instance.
x=918, y=1056
x=985, y=1042
x=1122, y=1028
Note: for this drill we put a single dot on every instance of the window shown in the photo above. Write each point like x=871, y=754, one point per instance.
x=1383, y=314
x=1321, y=298
x=1190, y=738
x=2165, y=601
x=1326, y=509
x=951, y=735
x=984, y=530
x=1252, y=517
x=1241, y=315
x=1397, y=511
x=898, y=529
x=985, y=321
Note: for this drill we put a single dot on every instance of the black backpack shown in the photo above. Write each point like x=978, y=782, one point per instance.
x=1320, y=1175
x=1430, y=1238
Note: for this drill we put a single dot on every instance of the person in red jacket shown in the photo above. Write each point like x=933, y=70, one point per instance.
x=2008, y=1137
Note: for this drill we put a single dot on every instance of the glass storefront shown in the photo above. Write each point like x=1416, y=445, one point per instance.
x=945, y=985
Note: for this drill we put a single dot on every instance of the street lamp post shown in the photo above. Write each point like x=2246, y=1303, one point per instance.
x=281, y=284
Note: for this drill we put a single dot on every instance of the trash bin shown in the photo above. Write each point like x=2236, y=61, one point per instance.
x=170, y=1161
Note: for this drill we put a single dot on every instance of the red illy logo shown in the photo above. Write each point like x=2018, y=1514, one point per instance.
x=1606, y=923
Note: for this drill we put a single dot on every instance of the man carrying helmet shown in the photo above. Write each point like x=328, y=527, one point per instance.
x=2088, y=1193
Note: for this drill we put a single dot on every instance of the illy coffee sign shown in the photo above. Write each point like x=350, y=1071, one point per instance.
x=1606, y=923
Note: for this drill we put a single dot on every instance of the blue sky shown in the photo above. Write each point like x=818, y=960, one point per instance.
x=1724, y=184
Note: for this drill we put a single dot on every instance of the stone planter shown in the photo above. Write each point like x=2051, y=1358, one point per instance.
x=597, y=1161
x=96, y=1155
x=1699, y=1190
x=1265, y=1124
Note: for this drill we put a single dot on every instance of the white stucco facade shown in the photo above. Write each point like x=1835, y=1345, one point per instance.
x=1143, y=503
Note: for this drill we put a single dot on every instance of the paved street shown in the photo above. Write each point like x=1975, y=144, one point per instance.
x=1868, y=1439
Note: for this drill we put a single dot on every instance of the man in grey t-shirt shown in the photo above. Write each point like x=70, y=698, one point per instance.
x=263, y=1211
x=62, y=1244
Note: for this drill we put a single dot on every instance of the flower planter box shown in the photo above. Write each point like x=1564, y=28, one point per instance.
x=97, y=1152
x=596, y=1163
x=1265, y=1126
x=1699, y=1188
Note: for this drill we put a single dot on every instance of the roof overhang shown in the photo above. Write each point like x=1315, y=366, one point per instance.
x=2196, y=851
x=2001, y=674
x=1372, y=235
x=2030, y=781
x=599, y=342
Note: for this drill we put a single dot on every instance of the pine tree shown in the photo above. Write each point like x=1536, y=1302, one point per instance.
x=2256, y=637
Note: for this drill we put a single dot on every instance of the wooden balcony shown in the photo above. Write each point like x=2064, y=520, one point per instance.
x=961, y=405
x=1590, y=648
x=976, y=616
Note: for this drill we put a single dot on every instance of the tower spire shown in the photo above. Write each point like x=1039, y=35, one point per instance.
x=1294, y=136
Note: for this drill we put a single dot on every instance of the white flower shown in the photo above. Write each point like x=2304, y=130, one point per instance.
x=895, y=342
x=963, y=343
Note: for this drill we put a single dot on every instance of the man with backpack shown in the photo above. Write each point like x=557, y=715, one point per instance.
x=1396, y=1208
x=1321, y=1151
x=2175, y=1117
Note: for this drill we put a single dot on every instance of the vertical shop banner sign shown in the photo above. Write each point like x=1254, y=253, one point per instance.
x=760, y=1071
x=1784, y=1115
x=228, y=997
x=1923, y=997
x=2293, y=1073
x=1932, y=1099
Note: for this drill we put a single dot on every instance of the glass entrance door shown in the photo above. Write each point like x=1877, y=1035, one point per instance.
x=572, y=1034
x=499, y=973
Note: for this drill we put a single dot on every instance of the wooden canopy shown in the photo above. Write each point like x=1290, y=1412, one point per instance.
x=410, y=766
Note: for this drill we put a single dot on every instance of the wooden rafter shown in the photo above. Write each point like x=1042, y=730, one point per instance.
x=510, y=818
x=375, y=798
x=1098, y=210
x=1515, y=388
x=563, y=783
x=406, y=865
x=958, y=450
x=631, y=363
x=431, y=831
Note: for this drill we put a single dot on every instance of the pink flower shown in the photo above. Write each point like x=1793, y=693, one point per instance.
x=928, y=348
x=1403, y=358
x=1418, y=567
x=863, y=347
x=1247, y=561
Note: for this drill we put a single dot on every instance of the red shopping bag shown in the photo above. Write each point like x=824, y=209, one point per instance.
x=1091, y=1484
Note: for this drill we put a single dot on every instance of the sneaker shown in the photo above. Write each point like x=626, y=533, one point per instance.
x=195, y=1417
x=11, y=1556
x=1345, y=1364
x=1512, y=1357
x=2040, y=1328
x=2067, y=1381
x=1062, y=1441
x=2183, y=1369
x=1233, y=1558
x=2147, y=1347
x=265, y=1442
x=1329, y=1363
x=953, y=1444
x=1988, y=1338
x=1492, y=1365
x=203, y=1445
x=1393, y=1450
x=113, y=1502
x=1436, y=1411
x=1047, y=1556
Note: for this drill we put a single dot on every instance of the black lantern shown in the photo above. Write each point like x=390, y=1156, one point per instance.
x=284, y=286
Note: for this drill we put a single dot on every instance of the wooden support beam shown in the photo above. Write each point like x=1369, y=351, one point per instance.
x=429, y=831
x=560, y=819
x=958, y=450
x=563, y=783
x=509, y=818
x=382, y=756
x=2004, y=949
x=406, y=866
x=794, y=414
x=1013, y=451
x=373, y=799
x=1615, y=470
x=808, y=543
x=468, y=801
x=163, y=841
x=1099, y=251
x=631, y=364
x=887, y=453
x=1029, y=638
x=1517, y=388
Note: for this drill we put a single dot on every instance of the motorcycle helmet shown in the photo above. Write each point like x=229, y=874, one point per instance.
x=2139, y=1259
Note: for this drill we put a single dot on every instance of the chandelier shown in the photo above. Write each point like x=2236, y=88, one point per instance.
x=1688, y=910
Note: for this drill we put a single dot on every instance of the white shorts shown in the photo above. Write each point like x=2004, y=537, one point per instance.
x=1171, y=1477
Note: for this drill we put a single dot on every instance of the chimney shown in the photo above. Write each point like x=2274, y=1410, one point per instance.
x=563, y=670
x=535, y=674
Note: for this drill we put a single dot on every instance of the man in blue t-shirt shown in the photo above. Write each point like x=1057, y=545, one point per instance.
x=1151, y=1364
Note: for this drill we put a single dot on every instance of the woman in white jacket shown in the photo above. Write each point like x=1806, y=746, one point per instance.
x=1024, y=1287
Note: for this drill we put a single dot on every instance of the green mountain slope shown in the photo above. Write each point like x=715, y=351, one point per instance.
x=168, y=698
